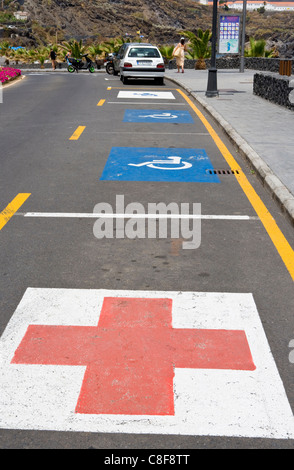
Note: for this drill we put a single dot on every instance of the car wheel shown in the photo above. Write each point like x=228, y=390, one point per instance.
x=124, y=79
x=110, y=69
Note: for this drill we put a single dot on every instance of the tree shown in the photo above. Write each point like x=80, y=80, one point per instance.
x=4, y=48
x=224, y=3
x=75, y=48
x=167, y=52
x=42, y=54
x=19, y=54
x=96, y=50
x=113, y=45
x=199, y=47
x=257, y=49
x=31, y=55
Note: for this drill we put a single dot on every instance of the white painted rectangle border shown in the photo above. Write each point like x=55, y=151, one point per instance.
x=207, y=402
x=156, y=95
x=103, y=215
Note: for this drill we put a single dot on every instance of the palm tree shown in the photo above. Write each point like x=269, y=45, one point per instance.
x=167, y=52
x=113, y=45
x=75, y=48
x=30, y=55
x=5, y=49
x=96, y=50
x=199, y=47
x=19, y=54
x=42, y=54
x=257, y=49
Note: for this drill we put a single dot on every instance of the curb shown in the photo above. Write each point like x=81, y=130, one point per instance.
x=276, y=188
x=12, y=82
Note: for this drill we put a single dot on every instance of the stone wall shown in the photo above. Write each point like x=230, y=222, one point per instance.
x=274, y=87
x=21, y=66
x=253, y=63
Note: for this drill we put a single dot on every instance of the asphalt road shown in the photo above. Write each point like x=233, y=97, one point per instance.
x=48, y=251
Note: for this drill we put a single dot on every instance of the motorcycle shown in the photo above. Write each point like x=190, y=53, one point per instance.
x=74, y=65
x=109, y=66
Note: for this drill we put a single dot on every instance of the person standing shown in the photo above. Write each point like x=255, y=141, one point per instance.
x=53, y=58
x=179, y=54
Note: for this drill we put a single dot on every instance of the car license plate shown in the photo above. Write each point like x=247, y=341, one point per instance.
x=144, y=62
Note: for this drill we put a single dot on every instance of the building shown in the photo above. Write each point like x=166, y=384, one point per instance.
x=21, y=15
x=253, y=5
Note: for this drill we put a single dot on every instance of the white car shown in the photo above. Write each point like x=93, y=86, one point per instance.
x=138, y=60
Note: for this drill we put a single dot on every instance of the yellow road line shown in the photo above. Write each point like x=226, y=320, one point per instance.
x=283, y=247
x=12, y=207
x=109, y=88
x=77, y=133
x=101, y=103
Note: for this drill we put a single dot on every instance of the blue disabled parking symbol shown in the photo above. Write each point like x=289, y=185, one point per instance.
x=151, y=115
x=158, y=164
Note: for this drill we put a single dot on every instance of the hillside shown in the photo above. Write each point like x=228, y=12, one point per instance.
x=160, y=21
x=156, y=19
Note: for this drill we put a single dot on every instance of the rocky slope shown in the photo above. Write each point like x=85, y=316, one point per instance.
x=156, y=19
x=160, y=21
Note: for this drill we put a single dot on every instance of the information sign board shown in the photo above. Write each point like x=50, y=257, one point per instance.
x=229, y=34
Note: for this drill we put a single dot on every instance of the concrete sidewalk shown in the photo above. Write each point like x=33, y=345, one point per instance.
x=262, y=131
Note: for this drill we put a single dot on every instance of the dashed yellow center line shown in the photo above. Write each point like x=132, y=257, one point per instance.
x=101, y=103
x=12, y=207
x=283, y=247
x=77, y=133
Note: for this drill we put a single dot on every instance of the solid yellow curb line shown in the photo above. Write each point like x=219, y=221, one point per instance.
x=77, y=133
x=283, y=247
x=12, y=207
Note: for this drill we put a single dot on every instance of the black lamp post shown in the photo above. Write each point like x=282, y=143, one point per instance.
x=212, y=72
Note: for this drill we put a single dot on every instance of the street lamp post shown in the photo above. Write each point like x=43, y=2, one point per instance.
x=212, y=72
x=243, y=36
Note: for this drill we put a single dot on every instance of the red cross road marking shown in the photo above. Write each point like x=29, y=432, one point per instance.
x=131, y=355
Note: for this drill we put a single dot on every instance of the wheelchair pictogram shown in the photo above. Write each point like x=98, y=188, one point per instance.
x=159, y=116
x=177, y=162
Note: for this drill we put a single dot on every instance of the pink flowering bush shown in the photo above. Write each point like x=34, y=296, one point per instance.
x=7, y=74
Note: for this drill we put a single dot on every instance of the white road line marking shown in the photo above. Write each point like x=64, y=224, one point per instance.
x=155, y=133
x=136, y=102
x=92, y=215
x=157, y=95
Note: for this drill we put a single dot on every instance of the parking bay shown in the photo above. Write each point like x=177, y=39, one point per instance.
x=234, y=256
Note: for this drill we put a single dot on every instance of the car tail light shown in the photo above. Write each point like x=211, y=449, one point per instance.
x=128, y=64
x=160, y=66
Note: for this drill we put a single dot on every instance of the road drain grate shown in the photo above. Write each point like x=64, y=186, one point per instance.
x=223, y=172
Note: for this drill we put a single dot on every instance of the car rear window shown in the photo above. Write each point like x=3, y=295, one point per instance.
x=143, y=52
